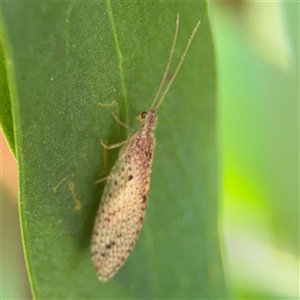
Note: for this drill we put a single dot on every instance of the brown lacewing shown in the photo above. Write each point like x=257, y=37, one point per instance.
x=122, y=208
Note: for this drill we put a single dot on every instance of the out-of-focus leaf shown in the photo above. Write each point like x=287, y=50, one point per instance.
x=6, y=120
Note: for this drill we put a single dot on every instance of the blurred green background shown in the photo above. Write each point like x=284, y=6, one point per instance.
x=257, y=53
x=258, y=60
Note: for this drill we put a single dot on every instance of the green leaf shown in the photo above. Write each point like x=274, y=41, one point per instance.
x=72, y=63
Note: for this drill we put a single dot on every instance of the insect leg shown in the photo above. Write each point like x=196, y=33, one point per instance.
x=123, y=124
x=114, y=145
x=101, y=179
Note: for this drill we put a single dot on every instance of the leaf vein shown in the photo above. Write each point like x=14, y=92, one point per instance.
x=120, y=57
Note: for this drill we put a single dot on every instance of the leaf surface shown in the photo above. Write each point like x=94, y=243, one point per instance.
x=73, y=65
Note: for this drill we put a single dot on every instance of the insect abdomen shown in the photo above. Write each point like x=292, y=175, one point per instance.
x=122, y=209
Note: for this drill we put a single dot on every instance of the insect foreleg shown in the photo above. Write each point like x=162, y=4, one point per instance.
x=113, y=146
x=123, y=124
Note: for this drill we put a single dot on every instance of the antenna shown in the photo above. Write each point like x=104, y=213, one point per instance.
x=169, y=62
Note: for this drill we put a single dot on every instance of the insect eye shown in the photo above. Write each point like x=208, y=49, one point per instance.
x=143, y=114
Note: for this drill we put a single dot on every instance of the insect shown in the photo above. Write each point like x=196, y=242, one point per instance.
x=122, y=208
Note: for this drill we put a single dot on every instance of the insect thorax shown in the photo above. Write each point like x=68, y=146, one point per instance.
x=148, y=119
